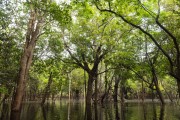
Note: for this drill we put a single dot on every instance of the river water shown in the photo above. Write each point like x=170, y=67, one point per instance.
x=76, y=110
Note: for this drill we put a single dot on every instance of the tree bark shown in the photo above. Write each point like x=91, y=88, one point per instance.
x=89, y=90
x=26, y=59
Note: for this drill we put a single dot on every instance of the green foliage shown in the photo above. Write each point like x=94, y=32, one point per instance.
x=3, y=90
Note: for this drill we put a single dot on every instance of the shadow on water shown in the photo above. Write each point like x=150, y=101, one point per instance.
x=76, y=110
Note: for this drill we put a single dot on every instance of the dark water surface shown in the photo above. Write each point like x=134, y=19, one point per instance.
x=75, y=110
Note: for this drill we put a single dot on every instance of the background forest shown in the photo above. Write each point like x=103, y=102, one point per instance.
x=104, y=50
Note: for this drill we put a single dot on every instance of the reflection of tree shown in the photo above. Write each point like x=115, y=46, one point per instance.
x=96, y=111
x=15, y=115
x=123, y=108
x=44, y=112
x=144, y=110
x=154, y=112
x=116, y=110
x=88, y=112
x=4, y=112
x=162, y=112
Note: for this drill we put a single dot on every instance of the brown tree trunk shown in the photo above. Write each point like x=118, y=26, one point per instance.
x=26, y=59
x=21, y=83
x=89, y=90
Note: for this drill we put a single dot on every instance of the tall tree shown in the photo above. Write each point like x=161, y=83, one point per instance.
x=33, y=31
x=149, y=14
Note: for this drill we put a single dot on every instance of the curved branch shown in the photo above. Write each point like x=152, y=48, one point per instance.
x=141, y=29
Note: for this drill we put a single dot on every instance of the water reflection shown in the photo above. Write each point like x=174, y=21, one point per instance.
x=162, y=113
x=4, y=111
x=76, y=110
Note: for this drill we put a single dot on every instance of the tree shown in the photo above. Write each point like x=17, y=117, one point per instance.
x=140, y=15
x=32, y=34
x=88, y=45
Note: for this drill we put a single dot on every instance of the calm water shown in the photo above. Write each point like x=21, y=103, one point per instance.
x=76, y=111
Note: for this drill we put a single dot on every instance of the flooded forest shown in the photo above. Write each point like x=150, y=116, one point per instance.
x=89, y=60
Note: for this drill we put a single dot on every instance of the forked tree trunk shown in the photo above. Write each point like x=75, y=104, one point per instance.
x=26, y=59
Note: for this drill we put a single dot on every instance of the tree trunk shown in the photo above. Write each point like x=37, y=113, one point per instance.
x=26, y=59
x=47, y=89
x=84, y=84
x=155, y=80
x=117, y=80
x=21, y=83
x=96, y=89
x=89, y=90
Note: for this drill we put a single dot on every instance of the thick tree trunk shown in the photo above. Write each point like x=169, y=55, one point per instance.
x=89, y=90
x=26, y=59
x=21, y=83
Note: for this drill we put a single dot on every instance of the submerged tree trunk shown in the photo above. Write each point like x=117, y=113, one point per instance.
x=47, y=89
x=26, y=59
x=89, y=90
x=117, y=80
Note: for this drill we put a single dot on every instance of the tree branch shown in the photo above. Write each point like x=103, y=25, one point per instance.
x=141, y=29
